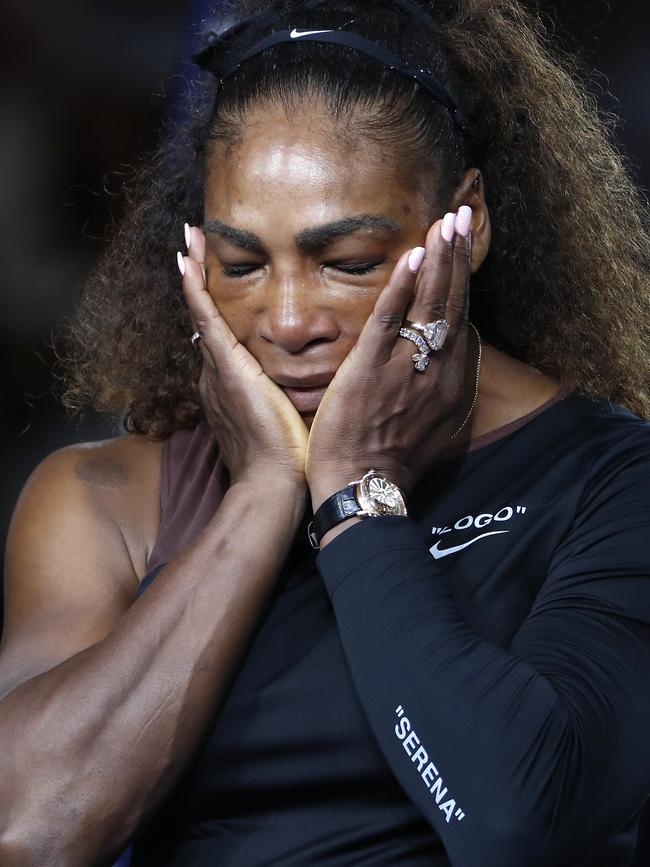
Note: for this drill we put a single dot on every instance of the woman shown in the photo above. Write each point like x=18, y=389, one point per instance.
x=465, y=684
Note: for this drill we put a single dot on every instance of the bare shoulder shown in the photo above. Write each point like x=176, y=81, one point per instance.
x=117, y=480
x=77, y=548
x=123, y=474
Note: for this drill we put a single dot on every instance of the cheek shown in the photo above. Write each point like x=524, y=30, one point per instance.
x=347, y=290
x=235, y=310
x=354, y=309
x=233, y=306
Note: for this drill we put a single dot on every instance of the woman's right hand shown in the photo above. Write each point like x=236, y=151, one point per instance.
x=259, y=431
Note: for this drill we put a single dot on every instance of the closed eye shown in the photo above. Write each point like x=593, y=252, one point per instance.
x=239, y=270
x=362, y=268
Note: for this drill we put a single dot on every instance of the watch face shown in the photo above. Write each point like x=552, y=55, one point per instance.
x=381, y=491
x=378, y=496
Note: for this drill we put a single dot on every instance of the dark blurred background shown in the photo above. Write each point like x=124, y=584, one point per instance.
x=84, y=88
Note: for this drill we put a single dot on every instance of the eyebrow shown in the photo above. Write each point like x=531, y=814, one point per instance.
x=309, y=240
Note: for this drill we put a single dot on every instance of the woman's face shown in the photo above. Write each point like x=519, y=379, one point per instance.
x=302, y=231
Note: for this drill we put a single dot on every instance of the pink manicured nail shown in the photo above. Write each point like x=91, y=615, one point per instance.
x=416, y=258
x=188, y=235
x=447, y=230
x=464, y=220
x=181, y=263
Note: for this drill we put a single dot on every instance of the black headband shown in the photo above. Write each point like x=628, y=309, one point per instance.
x=208, y=59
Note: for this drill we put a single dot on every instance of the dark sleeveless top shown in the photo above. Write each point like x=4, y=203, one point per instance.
x=309, y=763
x=290, y=774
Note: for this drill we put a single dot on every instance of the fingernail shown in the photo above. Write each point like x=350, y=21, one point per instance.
x=447, y=230
x=416, y=258
x=181, y=263
x=188, y=235
x=464, y=220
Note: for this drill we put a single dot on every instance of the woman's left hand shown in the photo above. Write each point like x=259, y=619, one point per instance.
x=379, y=412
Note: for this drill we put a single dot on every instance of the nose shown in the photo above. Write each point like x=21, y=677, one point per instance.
x=294, y=316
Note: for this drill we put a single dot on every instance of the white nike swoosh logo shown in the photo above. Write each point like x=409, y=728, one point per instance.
x=296, y=34
x=437, y=553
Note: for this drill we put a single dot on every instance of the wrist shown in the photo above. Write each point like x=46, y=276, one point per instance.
x=271, y=490
x=323, y=490
x=325, y=484
x=279, y=477
x=337, y=503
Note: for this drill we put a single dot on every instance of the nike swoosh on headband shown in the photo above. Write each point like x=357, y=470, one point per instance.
x=438, y=553
x=296, y=34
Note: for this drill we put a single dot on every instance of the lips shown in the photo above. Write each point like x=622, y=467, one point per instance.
x=305, y=399
x=316, y=380
x=305, y=392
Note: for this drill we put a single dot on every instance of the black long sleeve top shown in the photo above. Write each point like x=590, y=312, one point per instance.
x=472, y=685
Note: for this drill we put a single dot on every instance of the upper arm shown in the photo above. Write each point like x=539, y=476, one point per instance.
x=69, y=572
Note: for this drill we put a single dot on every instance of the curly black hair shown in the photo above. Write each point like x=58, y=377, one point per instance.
x=565, y=284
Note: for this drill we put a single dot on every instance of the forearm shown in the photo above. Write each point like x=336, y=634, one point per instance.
x=107, y=732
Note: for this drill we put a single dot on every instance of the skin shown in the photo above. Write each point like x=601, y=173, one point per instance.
x=88, y=517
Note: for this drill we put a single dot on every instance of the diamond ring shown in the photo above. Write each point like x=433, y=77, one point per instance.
x=435, y=333
x=420, y=358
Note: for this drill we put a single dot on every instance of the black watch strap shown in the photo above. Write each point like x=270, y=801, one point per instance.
x=341, y=505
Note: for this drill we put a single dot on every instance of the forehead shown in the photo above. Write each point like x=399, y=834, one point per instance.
x=304, y=169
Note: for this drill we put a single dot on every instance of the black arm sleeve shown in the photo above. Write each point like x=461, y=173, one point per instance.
x=536, y=753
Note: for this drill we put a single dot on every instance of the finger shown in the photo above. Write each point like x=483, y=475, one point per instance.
x=434, y=278
x=377, y=339
x=195, y=242
x=218, y=343
x=182, y=267
x=458, y=299
x=216, y=336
